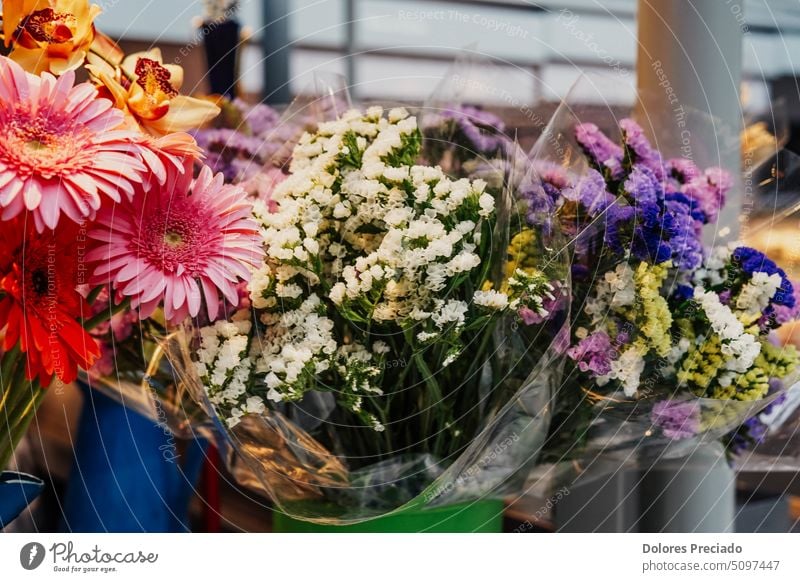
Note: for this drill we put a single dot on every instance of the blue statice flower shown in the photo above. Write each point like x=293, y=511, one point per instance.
x=617, y=222
x=649, y=242
x=683, y=293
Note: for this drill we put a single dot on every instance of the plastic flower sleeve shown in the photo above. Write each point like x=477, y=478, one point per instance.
x=771, y=440
x=648, y=373
x=371, y=373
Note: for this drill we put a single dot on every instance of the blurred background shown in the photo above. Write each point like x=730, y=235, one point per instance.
x=401, y=50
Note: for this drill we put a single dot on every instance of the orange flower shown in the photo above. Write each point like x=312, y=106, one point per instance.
x=49, y=35
x=147, y=89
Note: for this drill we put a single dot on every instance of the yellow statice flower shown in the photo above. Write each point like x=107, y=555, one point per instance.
x=702, y=365
x=655, y=314
x=519, y=252
x=778, y=361
x=751, y=385
x=49, y=35
x=722, y=416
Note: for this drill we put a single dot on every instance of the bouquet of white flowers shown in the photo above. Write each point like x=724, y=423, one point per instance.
x=393, y=347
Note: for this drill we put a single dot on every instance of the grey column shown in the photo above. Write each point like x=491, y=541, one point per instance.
x=275, y=42
x=690, y=58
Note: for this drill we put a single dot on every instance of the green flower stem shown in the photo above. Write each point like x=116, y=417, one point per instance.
x=20, y=401
x=106, y=314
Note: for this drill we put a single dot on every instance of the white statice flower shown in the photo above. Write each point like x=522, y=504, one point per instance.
x=491, y=299
x=616, y=290
x=338, y=293
x=451, y=357
x=450, y=312
x=713, y=270
x=291, y=290
x=487, y=204
x=224, y=366
x=357, y=233
x=381, y=347
x=756, y=294
x=740, y=347
x=258, y=286
x=627, y=370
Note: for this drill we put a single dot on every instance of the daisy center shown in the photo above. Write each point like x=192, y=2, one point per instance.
x=170, y=238
x=173, y=239
x=39, y=281
x=43, y=142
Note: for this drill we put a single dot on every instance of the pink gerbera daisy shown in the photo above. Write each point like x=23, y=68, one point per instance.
x=61, y=149
x=178, y=246
x=170, y=160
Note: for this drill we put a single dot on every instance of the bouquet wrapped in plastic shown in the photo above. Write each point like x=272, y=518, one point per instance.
x=672, y=340
x=395, y=348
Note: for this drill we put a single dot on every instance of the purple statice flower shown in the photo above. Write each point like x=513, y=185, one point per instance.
x=260, y=119
x=708, y=191
x=603, y=152
x=682, y=170
x=751, y=261
x=591, y=192
x=639, y=149
x=642, y=185
x=542, y=190
x=677, y=419
x=748, y=435
x=725, y=297
x=684, y=236
x=593, y=353
x=231, y=152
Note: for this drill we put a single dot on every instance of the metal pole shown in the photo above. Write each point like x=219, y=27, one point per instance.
x=350, y=46
x=690, y=58
x=275, y=42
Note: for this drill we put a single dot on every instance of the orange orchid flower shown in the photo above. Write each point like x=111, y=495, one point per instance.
x=148, y=91
x=49, y=35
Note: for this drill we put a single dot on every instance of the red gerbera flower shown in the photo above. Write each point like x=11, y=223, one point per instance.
x=40, y=305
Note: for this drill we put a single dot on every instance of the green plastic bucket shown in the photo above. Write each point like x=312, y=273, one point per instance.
x=476, y=517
